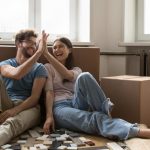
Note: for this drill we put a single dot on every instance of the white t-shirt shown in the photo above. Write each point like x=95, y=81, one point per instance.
x=55, y=83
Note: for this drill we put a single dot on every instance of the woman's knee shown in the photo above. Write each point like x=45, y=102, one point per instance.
x=86, y=79
x=85, y=76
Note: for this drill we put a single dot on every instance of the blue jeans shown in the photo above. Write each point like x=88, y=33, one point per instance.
x=75, y=115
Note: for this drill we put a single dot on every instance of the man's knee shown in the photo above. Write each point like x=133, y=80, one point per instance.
x=23, y=121
x=14, y=125
x=9, y=129
x=30, y=117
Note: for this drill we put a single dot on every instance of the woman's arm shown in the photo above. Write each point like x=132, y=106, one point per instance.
x=49, y=123
x=66, y=74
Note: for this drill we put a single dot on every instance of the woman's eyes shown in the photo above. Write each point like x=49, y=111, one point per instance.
x=60, y=46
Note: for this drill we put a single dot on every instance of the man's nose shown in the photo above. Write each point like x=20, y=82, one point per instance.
x=34, y=46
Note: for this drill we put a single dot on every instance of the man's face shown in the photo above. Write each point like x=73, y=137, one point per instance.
x=28, y=47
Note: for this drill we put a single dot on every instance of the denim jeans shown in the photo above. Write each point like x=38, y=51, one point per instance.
x=75, y=115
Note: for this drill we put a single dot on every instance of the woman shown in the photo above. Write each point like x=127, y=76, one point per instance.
x=70, y=94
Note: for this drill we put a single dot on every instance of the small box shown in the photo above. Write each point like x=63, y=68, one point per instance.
x=131, y=97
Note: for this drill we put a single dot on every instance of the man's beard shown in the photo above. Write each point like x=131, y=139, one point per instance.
x=25, y=53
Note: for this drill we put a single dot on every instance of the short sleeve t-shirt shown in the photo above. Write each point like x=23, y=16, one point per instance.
x=62, y=90
x=21, y=89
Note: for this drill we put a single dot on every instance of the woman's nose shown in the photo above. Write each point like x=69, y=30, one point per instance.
x=57, y=49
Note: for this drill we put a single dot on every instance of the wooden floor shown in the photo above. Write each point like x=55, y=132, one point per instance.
x=133, y=144
x=138, y=144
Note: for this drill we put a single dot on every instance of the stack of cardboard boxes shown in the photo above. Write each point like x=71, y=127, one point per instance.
x=131, y=97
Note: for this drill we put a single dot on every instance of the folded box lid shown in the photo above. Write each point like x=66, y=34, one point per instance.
x=128, y=77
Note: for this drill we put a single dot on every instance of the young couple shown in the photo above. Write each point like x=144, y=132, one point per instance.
x=69, y=93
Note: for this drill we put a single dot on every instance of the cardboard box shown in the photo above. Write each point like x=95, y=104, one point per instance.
x=87, y=58
x=131, y=97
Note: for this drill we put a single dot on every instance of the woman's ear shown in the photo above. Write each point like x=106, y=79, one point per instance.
x=70, y=50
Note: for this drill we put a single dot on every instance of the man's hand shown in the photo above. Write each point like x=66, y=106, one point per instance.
x=49, y=125
x=7, y=114
x=43, y=42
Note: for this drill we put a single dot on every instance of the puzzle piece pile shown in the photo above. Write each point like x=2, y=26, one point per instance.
x=61, y=139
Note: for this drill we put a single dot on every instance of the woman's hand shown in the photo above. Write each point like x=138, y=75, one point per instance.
x=42, y=44
x=46, y=52
x=49, y=125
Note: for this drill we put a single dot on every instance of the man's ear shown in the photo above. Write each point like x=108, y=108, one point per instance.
x=18, y=45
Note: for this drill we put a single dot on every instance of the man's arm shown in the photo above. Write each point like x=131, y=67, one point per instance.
x=20, y=71
x=35, y=95
x=28, y=103
x=49, y=123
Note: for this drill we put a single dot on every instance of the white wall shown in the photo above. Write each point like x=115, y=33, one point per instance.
x=106, y=31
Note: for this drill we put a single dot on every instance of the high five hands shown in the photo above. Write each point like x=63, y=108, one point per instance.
x=42, y=43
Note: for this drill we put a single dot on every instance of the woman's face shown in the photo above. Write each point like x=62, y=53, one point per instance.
x=60, y=51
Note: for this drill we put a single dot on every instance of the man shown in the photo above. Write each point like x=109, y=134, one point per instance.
x=21, y=82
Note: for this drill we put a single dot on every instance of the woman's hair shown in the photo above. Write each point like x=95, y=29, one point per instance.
x=69, y=60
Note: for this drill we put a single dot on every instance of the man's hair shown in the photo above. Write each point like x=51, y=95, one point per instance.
x=24, y=35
